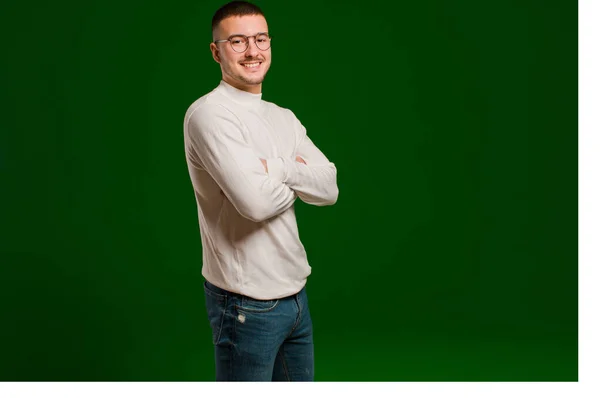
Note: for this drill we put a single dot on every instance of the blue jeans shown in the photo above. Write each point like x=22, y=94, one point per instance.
x=260, y=340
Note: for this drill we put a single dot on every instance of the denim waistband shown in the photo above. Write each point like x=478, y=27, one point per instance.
x=228, y=293
x=217, y=289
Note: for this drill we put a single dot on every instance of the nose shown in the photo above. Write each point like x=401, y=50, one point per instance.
x=252, y=49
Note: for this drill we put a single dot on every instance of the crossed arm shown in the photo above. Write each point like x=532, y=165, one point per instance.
x=258, y=188
x=311, y=175
x=264, y=162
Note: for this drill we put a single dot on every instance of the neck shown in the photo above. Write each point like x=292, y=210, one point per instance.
x=251, y=88
x=241, y=96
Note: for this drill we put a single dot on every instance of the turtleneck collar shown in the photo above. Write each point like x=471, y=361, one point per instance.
x=240, y=96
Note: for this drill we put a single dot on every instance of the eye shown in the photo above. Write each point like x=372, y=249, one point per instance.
x=262, y=38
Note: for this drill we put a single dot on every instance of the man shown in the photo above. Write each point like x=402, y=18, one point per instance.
x=249, y=160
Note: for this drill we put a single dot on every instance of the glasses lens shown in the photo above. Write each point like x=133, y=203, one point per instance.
x=263, y=41
x=239, y=43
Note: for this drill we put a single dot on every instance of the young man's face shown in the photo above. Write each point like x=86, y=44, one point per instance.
x=235, y=65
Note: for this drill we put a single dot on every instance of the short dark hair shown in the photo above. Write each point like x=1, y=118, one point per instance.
x=234, y=9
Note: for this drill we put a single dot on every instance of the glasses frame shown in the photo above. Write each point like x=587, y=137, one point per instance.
x=247, y=41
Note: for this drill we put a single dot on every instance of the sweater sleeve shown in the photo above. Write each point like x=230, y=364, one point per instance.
x=316, y=181
x=215, y=136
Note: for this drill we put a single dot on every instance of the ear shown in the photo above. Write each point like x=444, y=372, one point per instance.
x=215, y=53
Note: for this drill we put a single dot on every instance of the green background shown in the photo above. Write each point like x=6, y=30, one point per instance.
x=451, y=253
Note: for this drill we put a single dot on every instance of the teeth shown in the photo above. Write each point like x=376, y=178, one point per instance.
x=254, y=65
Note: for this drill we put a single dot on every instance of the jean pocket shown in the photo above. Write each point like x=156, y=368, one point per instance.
x=216, y=305
x=248, y=304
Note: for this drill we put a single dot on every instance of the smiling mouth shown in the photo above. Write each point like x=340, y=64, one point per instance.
x=251, y=65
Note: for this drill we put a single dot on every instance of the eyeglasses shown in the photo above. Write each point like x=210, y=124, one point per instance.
x=239, y=43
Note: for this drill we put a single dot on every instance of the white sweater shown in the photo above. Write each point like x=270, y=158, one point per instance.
x=250, y=240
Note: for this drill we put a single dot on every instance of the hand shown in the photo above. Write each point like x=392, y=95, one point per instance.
x=264, y=162
x=300, y=160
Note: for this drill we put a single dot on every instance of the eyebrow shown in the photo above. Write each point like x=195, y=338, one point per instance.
x=240, y=34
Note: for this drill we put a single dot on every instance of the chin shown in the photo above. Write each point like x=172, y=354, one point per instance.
x=253, y=79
